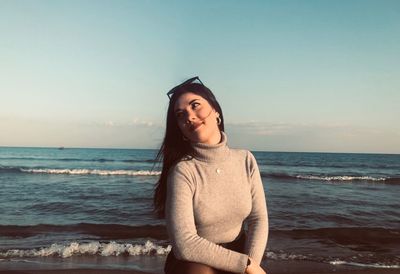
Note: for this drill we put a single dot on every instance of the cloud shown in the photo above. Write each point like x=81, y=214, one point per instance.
x=313, y=137
x=273, y=128
x=280, y=128
x=136, y=122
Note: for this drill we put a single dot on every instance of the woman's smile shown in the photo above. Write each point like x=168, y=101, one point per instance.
x=195, y=127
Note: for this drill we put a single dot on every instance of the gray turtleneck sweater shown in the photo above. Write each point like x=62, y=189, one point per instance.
x=208, y=199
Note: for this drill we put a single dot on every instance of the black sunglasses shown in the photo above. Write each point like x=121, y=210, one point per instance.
x=189, y=81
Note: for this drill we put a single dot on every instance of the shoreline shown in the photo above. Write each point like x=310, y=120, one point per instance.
x=273, y=267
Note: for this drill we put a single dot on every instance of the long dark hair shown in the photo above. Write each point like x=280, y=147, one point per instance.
x=173, y=147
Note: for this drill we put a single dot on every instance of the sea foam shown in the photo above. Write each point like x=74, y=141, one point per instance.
x=91, y=248
x=92, y=172
x=339, y=262
x=339, y=178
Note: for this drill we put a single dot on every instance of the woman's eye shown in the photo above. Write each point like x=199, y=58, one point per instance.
x=179, y=115
x=194, y=105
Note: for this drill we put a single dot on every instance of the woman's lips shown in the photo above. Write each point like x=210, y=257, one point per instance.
x=195, y=127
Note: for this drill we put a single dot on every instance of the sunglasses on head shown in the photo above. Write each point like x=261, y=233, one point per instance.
x=189, y=81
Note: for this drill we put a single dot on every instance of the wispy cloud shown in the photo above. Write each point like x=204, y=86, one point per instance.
x=281, y=128
x=136, y=122
x=313, y=137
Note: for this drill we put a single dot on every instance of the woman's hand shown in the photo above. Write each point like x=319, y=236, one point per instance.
x=254, y=268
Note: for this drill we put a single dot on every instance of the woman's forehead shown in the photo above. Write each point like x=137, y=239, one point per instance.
x=186, y=99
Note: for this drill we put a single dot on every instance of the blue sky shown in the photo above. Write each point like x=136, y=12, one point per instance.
x=289, y=75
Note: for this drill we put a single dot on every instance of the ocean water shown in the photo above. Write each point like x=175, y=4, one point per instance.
x=93, y=207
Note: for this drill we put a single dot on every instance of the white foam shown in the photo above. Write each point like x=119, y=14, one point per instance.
x=91, y=248
x=339, y=178
x=93, y=172
x=284, y=256
x=338, y=262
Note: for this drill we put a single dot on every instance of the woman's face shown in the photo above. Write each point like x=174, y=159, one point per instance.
x=197, y=119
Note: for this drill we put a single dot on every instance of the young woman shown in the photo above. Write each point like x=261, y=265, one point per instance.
x=208, y=191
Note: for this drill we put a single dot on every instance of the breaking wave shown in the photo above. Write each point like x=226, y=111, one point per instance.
x=334, y=178
x=91, y=248
x=102, y=172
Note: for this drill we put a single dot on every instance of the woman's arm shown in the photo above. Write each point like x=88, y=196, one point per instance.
x=186, y=243
x=258, y=218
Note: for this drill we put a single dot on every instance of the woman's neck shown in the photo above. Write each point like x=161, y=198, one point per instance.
x=212, y=152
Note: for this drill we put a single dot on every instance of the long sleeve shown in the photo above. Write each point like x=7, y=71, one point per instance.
x=258, y=218
x=186, y=243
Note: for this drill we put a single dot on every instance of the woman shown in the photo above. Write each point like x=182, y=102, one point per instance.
x=208, y=191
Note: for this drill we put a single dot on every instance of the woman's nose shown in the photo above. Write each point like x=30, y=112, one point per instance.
x=190, y=116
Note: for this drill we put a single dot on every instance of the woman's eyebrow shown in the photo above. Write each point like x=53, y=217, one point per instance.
x=188, y=104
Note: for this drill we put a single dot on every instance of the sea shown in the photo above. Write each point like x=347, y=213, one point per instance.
x=88, y=208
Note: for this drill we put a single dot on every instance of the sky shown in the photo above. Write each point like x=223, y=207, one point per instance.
x=310, y=76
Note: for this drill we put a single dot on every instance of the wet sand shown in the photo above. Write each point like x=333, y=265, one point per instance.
x=274, y=267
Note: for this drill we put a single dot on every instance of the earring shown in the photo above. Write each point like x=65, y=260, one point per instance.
x=219, y=120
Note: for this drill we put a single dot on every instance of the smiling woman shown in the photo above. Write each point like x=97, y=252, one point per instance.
x=207, y=191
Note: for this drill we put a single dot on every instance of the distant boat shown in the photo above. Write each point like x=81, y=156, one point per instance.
x=61, y=148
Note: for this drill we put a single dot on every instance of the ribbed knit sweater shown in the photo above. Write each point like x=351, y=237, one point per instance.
x=209, y=196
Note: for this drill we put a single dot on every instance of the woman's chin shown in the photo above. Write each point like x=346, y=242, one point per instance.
x=204, y=136
x=198, y=138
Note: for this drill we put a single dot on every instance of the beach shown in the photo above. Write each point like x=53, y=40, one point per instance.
x=132, y=128
x=273, y=268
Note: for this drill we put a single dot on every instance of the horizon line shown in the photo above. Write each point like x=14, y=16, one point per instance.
x=124, y=148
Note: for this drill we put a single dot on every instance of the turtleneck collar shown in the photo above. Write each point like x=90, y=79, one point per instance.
x=212, y=153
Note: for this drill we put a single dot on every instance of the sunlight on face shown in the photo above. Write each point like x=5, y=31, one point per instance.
x=197, y=119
